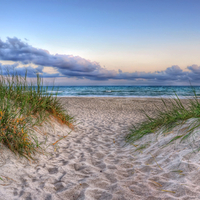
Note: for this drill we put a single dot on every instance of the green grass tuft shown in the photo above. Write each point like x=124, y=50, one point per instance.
x=172, y=113
x=24, y=106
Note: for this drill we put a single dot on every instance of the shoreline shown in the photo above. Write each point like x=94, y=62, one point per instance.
x=134, y=97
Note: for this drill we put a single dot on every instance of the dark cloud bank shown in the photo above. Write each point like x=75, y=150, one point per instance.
x=74, y=66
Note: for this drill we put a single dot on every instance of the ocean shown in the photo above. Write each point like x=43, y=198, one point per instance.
x=124, y=91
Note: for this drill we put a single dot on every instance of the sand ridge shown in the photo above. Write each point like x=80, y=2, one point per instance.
x=93, y=163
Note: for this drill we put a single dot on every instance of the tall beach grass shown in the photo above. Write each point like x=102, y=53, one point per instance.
x=171, y=113
x=23, y=106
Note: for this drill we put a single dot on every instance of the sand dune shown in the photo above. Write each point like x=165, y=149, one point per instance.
x=93, y=163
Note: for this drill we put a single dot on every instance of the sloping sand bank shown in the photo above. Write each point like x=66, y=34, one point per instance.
x=93, y=163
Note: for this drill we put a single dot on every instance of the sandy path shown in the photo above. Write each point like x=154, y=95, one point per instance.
x=92, y=162
x=103, y=124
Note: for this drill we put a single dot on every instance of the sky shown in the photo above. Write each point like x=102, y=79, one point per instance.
x=102, y=42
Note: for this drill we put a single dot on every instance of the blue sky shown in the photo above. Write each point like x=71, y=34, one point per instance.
x=107, y=42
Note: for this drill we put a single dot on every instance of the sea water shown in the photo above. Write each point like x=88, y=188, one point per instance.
x=124, y=91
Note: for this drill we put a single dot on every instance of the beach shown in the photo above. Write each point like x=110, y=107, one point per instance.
x=94, y=162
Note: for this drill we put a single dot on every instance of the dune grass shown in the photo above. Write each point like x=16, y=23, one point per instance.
x=172, y=113
x=24, y=106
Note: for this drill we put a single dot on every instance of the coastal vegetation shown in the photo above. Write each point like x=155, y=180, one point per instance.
x=23, y=107
x=171, y=113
